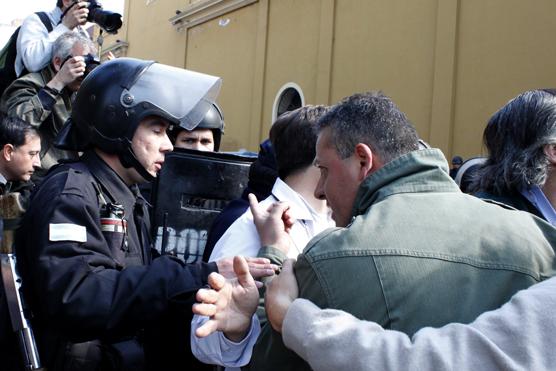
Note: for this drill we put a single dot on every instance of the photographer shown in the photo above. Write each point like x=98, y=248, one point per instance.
x=35, y=42
x=43, y=98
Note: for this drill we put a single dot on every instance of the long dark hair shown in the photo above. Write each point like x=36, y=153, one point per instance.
x=515, y=137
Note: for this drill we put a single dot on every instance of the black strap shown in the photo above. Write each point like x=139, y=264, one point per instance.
x=66, y=11
x=45, y=20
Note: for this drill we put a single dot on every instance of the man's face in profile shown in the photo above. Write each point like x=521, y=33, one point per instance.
x=23, y=159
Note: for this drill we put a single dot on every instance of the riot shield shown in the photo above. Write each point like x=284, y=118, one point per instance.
x=190, y=191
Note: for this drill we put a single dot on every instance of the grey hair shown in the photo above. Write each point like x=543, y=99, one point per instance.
x=373, y=119
x=65, y=42
x=515, y=137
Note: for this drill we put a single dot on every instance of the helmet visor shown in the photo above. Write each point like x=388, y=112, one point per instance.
x=183, y=95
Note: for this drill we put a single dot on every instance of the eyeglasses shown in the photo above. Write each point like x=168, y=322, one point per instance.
x=91, y=62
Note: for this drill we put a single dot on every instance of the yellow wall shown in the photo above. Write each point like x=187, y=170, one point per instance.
x=229, y=52
x=449, y=64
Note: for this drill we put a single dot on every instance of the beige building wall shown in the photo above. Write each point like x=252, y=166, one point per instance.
x=449, y=64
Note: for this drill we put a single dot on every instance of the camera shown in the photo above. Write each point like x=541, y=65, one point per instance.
x=107, y=20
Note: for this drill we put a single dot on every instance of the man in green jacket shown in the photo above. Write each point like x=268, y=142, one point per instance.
x=43, y=99
x=400, y=257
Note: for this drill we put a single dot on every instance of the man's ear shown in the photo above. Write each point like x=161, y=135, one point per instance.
x=57, y=63
x=365, y=157
x=550, y=152
x=7, y=152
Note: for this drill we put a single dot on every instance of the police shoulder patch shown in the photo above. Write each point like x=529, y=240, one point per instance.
x=67, y=232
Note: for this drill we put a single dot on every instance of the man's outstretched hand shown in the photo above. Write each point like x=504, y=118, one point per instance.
x=230, y=304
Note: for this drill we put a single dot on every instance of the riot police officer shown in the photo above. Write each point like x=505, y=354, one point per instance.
x=83, y=251
x=205, y=137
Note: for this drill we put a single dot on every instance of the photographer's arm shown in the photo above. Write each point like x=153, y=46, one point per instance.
x=27, y=99
x=34, y=42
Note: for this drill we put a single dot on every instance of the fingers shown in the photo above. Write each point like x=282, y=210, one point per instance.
x=206, y=296
x=260, y=267
x=254, y=205
x=241, y=270
x=82, y=9
x=203, y=309
x=73, y=68
x=257, y=260
x=288, y=220
x=216, y=281
x=278, y=209
x=257, y=272
x=206, y=329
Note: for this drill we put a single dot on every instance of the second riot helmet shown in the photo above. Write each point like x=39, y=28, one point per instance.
x=119, y=94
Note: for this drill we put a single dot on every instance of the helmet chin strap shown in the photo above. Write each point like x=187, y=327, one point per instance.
x=128, y=159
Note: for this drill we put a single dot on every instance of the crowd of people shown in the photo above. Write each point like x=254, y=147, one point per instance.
x=345, y=250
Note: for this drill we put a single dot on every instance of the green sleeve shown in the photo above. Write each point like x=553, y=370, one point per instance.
x=21, y=100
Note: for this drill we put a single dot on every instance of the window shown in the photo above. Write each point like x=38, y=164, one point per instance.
x=289, y=98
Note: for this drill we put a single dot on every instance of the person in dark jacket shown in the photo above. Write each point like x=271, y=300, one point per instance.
x=20, y=145
x=457, y=161
x=521, y=142
x=101, y=301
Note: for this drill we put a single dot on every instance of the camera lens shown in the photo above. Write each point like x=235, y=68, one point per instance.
x=109, y=21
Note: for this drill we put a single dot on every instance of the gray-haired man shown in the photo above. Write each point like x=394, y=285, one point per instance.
x=43, y=98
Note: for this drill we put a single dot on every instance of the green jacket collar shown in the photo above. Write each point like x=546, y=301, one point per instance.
x=424, y=170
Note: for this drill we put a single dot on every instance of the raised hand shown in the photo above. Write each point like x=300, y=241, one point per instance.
x=230, y=304
x=273, y=224
x=77, y=15
x=70, y=70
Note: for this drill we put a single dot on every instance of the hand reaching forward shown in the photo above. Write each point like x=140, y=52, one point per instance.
x=258, y=267
x=230, y=304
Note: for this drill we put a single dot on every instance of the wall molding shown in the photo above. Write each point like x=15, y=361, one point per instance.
x=204, y=11
x=119, y=48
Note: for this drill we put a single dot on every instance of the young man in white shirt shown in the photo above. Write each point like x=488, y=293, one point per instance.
x=293, y=138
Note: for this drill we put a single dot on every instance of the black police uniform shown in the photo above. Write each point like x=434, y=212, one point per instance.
x=99, y=290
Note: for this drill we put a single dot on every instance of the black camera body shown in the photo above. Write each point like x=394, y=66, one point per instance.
x=107, y=20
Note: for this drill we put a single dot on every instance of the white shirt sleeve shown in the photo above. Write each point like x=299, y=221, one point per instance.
x=34, y=44
x=241, y=238
x=518, y=336
x=218, y=350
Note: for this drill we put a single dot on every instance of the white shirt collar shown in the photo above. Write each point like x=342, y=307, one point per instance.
x=299, y=208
